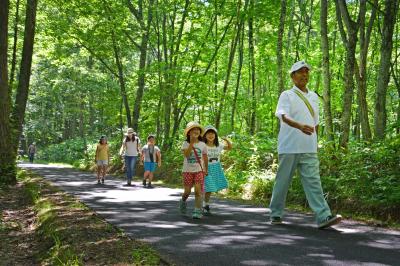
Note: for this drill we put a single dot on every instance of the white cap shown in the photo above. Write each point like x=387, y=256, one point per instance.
x=210, y=127
x=298, y=65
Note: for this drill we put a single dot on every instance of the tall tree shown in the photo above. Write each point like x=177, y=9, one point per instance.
x=239, y=75
x=389, y=20
x=239, y=24
x=349, y=39
x=361, y=74
x=15, y=41
x=326, y=71
x=253, y=70
x=145, y=25
x=279, y=47
x=7, y=153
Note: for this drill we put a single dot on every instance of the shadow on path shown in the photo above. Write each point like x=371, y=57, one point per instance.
x=236, y=234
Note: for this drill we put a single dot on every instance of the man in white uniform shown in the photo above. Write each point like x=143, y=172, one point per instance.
x=297, y=148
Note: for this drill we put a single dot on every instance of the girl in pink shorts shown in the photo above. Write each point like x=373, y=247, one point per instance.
x=195, y=165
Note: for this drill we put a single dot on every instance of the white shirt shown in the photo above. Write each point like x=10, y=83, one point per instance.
x=131, y=148
x=290, y=139
x=190, y=164
x=214, y=153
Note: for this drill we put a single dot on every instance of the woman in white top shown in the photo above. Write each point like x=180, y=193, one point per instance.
x=130, y=150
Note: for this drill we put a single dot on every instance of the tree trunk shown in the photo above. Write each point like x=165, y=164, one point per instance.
x=350, y=41
x=253, y=70
x=142, y=67
x=361, y=74
x=241, y=40
x=326, y=72
x=389, y=20
x=279, y=48
x=168, y=92
x=15, y=41
x=25, y=71
x=230, y=63
x=121, y=80
x=397, y=83
x=7, y=153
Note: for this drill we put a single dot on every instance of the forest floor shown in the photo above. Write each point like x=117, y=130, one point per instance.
x=40, y=225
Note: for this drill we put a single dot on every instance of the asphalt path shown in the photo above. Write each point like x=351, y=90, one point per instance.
x=236, y=234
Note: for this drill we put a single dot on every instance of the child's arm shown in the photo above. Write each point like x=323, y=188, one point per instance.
x=158, y=154
x=205, y=159
x=108, y=153
x=121, y=150
x=142, y=156
x=97, y=153
x=188, y=150
x=228, y=147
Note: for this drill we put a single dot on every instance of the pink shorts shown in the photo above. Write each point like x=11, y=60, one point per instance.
x=190, y=179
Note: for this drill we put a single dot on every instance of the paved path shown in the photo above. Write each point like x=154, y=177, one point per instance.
x=237, y=234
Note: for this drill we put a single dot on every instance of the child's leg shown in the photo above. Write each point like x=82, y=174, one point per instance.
x=186, y=192
x=98, y=171
x=197, y=195
x=145, y=176
x=207, y=198
x=104, y=170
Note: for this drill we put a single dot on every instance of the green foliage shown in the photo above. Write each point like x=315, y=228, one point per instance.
x=8, y=172
x=69, y=151
x=368, y=173
x=251, y=159
x=145, y=255
x=363, y=180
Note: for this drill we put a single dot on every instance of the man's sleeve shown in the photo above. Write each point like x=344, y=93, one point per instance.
x=283, y=107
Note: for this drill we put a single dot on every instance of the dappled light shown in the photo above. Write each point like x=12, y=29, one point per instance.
x=238, y=233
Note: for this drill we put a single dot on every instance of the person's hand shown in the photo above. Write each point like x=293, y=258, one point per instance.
x=159, y=164
x=306, y=129
x=205, y=173
x=140, y=162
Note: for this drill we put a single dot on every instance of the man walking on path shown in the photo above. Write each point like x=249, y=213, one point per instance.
x=32, y=151
x=298, y=112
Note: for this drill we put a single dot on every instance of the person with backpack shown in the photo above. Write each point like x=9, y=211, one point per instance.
x=31, y=151
x=151, y=156
x=298, y=112
x=130, y=151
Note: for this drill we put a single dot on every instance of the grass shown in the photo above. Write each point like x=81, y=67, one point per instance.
x=67, y=232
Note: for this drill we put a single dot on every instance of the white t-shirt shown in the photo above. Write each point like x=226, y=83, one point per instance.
x=290, y=139
x=190, y=163
x=131, y=147
x=214, y=153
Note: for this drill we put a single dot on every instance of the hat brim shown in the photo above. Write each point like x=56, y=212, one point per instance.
x=194, y=126
x=206, y=130
x=306, y=66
